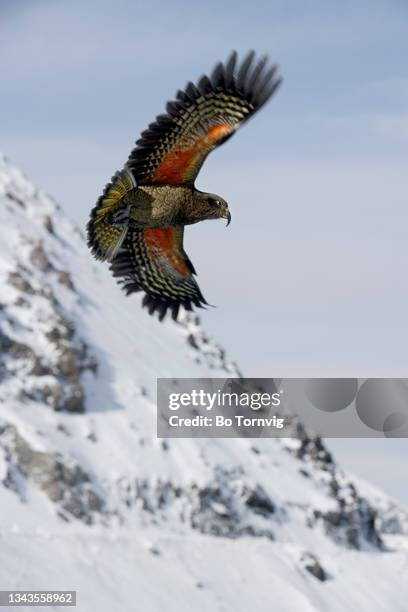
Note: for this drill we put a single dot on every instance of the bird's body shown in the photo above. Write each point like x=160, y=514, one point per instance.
x=159, y=206
x=138, y=222
x=167, y=205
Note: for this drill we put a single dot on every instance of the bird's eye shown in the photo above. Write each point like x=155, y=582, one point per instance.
x=214, y=202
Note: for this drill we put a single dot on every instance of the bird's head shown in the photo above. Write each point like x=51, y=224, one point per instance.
x=213, y=206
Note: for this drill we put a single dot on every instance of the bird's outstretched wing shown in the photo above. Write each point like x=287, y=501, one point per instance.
x=173, y=148
x=153, y=260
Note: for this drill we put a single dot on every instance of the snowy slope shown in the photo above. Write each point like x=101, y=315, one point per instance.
x=91, y=500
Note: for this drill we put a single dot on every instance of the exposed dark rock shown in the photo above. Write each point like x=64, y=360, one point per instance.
x=143, y=391
x=192, y=342
x=312, y=564
x=11, y=196
x=9, y=347
x=64, y=330
x=259, y=502
x=86, y=360
x=334, y=486
x=74, y=398
x=22, y=302
x=47, y=292
x=5, y=342
x=19, y=350
x=39, y=368
x=214, y=513
x=52, y=395
x=392, y=519
x=17, y=280
x=69, y=397
x=39, y=259
x=353, y=525
x=227, y=507
x=73, y=476
x=11, y=483
x=353, y=522
x=67, y=363
x=48, y=224
x=67, y=485
x=209, y=352
x=61, y=427
x=64, y=278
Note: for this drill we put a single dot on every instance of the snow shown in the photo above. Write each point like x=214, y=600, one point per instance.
x=131, y=558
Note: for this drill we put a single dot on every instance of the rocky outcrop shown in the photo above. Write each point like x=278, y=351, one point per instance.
x=67, y=485
x=55, y=376
x=353, y=521
x=205, y=350
x=228, y=505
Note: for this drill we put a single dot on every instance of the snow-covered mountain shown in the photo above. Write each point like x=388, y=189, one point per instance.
x=91, y=500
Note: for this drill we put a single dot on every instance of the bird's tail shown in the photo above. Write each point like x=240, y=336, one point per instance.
x=104, y=238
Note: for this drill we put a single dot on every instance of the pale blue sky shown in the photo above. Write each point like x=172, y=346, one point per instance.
x=310, y=277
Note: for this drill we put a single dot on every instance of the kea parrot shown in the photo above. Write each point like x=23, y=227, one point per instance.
x=137, y=225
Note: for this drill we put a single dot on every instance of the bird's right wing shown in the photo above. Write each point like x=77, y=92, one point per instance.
x=153, y=260
x=173, y=148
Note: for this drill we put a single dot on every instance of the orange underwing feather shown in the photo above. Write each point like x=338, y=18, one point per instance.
x=180, y=164
x=163, y=242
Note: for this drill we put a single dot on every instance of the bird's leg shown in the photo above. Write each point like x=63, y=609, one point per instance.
x=121, y=217
x=130, y=217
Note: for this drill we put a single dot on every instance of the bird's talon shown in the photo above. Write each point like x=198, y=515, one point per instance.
x=121, y=218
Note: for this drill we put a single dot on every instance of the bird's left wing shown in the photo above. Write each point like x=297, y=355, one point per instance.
x=203, y=116
x=153, y=260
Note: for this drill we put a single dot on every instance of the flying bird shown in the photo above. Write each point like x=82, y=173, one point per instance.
x=138, y=222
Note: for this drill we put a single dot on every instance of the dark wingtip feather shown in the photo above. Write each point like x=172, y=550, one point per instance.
x=268, y=92
x=191, y=91
x=243, y=71
x=264, y=79
x=204, y=85
x=162, y=306
x=218, y=76
x=230, y=68
x=255, y=76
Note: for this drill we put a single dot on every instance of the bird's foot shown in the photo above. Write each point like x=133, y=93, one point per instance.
x=121, y=218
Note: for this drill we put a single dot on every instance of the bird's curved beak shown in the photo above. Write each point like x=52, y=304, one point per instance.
x=228, y=217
